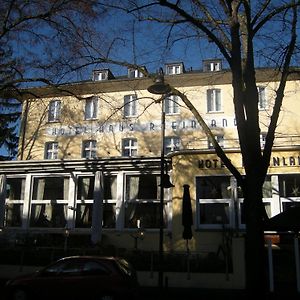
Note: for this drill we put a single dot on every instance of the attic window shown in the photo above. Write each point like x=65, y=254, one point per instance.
x=212, y=65
x=104, y=74
x=174, y=68
x=135, y=73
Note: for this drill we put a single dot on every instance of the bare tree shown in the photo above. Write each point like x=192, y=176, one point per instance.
x=39, y=42
x=244, y=32
x=247, y=34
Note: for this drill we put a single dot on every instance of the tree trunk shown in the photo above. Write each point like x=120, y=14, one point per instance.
x=255, y=250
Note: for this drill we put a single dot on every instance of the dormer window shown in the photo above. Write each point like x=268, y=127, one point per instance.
x=174, y=68
x=99, y=75
x=212, y=65
x=135, y=73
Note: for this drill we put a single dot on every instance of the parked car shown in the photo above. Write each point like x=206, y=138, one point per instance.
x=77, y=277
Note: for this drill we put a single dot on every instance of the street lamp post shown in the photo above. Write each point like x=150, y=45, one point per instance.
x=160, y=88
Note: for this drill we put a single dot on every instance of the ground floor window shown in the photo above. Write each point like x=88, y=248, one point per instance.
x=49, y=203
x=85, y=199
x=65, y=201
x=142, y=202
x=14, y=201
x=220, y=201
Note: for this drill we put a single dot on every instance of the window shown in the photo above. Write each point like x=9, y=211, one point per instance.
x=267, y=200
x=213, y=100
x=172, y=144
x=84, y=203
x=142, y=201
x=212, y=65
x=129, y=147
x=104, y=74
x=173, y=69
x=54, y=111
x=49, y=203
x=289, y=185
x=219, y=139
x=214, y=201
x=130, y=105
x=263, y=139
x=85, y=199
x=89, y=149
x=109, y=202
x=262, y=101
x=91, y=107
x=14, y=201
x=51, y=150
x=267, y=206
x=99, y=75
x=134, y=73
x=172, y=105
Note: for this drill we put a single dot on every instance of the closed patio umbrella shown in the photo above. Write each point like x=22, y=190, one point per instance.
x=187, y=215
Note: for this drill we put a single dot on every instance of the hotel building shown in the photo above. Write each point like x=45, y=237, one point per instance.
x=89, y=164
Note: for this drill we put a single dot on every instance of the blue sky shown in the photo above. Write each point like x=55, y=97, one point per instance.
x=143, y=43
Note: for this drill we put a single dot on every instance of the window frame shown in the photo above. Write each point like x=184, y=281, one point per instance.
x=130, y=106
x=219, y=138
x=214, y=100
x=175, y=144
x=54, y=110
x=135, y=73
x=51, y=152
x=130, y=148
x=91, y=108
x=171, y=104
x=137, y=200
x=100, y=75
x=90, y=202
x=19, y=202
x=262, y=98
x=200, y=201
x=89, y=147
x=262, y=138
x=174, y=69
x=64, y=202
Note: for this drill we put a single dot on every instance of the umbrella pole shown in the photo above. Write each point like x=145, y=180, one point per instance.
x=270, y=263
x=296, y=249
x=188, y=260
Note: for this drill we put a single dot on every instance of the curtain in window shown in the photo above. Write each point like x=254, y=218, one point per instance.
x=97, y=208
x=267, y=189
x=114, y=187
x=127, y=106
x=13, y=214
x=133, y=186
x=83, y=209
x=66, y=188
x=2, y=198
x=86, y=181
x=83, y=215
x=38, y=210
x=66, y=197
x=132, y=194
x=158, y=187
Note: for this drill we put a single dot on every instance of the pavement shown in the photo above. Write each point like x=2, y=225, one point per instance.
x=148, y=293
x=154, y=293
x=151, y=293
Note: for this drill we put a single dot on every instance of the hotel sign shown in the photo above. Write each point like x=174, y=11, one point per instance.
x=155, y=125
x=276, y=161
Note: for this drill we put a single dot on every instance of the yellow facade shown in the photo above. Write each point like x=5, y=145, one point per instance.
x=191, y=162
x=110, y=125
